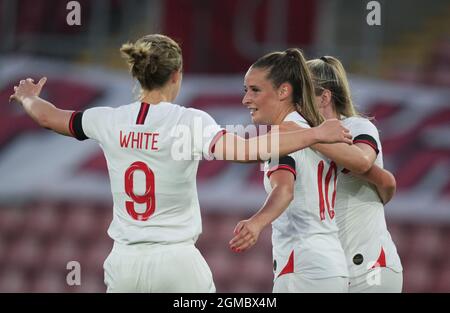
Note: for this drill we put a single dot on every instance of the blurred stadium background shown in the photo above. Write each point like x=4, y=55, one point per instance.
x=55, y=203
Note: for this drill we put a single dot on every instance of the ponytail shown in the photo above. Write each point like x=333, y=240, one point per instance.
x=290, y=66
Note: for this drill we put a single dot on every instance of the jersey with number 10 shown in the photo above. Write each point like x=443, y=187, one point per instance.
x=305, y=237
x=152, y=153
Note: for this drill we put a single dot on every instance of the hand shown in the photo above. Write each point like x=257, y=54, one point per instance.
x=27, y=89
x=246, y=234
x=332, y=131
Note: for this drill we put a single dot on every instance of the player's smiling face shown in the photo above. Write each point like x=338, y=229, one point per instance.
x=261, y=98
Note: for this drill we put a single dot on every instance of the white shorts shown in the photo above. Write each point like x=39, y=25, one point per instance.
x=295, y=282
x=380, y=279
x=157, y=268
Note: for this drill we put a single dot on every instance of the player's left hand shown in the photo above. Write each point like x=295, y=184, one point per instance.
x=246, y=234
x=27, y=88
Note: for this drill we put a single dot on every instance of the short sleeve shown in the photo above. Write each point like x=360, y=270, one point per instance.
x=75, y=126
x=286, y=163
x=205, y=133
x=364, y=131
x=93, y=123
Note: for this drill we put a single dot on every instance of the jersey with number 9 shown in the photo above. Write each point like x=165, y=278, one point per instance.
x=152, y=153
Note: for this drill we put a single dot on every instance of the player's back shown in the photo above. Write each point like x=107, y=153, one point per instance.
x=152, y=153
x=307, y=231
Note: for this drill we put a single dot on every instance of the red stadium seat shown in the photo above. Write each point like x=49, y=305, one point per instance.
x=13, y=279
x=443, y=279
x=11, y=222
x=26, y=253
x=80, y=223
x=62, y=251
x=427, y=243
x=417, y=277
x=43, y=221
x=49, y=281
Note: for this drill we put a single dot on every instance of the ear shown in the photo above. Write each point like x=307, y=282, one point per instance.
x=325, y=98
x=284, y=91
x=176, y=75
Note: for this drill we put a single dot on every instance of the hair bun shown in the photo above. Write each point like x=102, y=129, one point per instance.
x=291, y=52
x=152, y=59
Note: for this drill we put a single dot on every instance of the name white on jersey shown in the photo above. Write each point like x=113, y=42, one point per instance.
x=155, y=195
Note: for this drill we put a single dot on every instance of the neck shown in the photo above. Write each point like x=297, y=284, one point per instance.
x=330, y=112
x=282, y=114
x=155, y=96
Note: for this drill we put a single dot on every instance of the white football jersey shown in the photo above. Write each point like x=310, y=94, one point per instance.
x=305, y=237
x=360, y=212
x=152, y=153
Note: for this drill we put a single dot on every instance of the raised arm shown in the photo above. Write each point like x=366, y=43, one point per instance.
x=247, y=231
x=232, y=147
x=356, y=158
x=42, y=112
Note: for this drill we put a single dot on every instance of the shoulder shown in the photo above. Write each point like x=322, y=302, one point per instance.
x=110, y=110
x=296, y=118
x=195, y=113
x=357, y=120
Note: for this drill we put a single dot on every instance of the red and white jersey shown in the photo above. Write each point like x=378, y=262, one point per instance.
x=360, y=212
x=305, y=237
x=152, y=153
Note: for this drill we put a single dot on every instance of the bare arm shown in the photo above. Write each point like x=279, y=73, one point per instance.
x=247, y=231
x=357, y=158
x=352, y=157
x=42, y=112
x=235, y=148
x=383, y=180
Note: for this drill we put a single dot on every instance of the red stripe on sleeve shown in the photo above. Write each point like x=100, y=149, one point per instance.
x=367, y=143
x=282, y=167
x=71, y=124
x=212, y=145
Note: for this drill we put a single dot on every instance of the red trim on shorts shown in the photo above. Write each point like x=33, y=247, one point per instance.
x=282, y=167
x=289, y=268
x=212, y=145
x=381, y=262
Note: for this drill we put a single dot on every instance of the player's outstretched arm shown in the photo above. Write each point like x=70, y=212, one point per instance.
x=383, y=180
x=352, y=157
x=42, y=112
x=279, y=143
x=247, y=231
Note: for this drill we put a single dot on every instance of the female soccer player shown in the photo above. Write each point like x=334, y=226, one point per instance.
x=372, y=258
x=156, y=218
x=307, y=253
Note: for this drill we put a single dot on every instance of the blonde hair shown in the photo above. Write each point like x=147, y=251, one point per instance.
x=290, y=66
x=328, y=73
x=152, y=59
